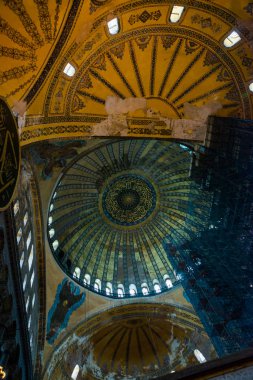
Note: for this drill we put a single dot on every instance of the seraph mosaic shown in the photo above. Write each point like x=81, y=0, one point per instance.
x=68, y=298
x=54, y=155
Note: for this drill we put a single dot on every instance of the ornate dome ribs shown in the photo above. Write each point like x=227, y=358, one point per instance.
x=116, y=207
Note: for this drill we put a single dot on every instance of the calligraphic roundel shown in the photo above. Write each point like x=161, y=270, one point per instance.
x=9, y=155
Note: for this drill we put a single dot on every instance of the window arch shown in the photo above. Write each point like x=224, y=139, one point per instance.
x=176, y=13
x=55, y=245
x=108, y=288
x=75, y=372
x=144, y=289
x=113, y=26
x=167, y=281
x=86, y=279
x=77, y=272
x=51, y=232
x=97, y=285
x=199, y=356
x=16, y=207
x=121, y=291
x=157, y=287
x=25, y=219
x=232, y=39
x=69, y=70
x=132, y=290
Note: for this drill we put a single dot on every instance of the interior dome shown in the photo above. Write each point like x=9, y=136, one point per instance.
x=134, y=341
x=114, y=210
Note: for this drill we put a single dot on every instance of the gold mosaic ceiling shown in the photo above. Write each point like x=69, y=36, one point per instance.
x=131, y=341
x=168, y=64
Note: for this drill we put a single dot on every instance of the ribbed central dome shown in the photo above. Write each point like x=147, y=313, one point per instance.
x=115, y=210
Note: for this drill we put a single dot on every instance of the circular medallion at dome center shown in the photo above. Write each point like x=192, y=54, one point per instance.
x=128, y=200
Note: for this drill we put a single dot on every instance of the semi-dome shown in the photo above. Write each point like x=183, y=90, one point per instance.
x=116, y=208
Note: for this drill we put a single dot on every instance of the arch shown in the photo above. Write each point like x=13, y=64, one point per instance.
x=167, y=281
x=55, y=245
x=86, y=279
x=121, y=291
x=108, y=288
x=77, y=272
x=51, y=232
x=97, y=285
x=113, y=26
x=157, y=287
x=69, y=70
x=144, y=289
x=176, y=13
x=232, y=39
x=199, y=356
x=132, y=290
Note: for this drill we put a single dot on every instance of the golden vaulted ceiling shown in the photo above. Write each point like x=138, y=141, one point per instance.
x=167, y=63
x=133, y=341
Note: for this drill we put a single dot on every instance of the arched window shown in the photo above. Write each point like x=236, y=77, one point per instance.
x=121, y=291
x=51, y=232
x=97, y=285
x=75, y=372
x=167, y=281
x=22, y=258
x=30, y=259
x=16, y=207
x=69, y=70
x=108, y=289
x=157, y=286
x=19, y=235
x=251, y=87
x=199, y=356
x=77, y=272
x=113, y=26
x=144, y=289
x=132, y=290
x=51, y=207
x=32, y=278
x=50, y=220
x=55, y=245
x=28, y=240
x=232, y=39
x=86, y=279
x=25, y=219
x=176, y=13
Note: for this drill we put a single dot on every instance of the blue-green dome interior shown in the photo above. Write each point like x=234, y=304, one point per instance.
x=116, y=208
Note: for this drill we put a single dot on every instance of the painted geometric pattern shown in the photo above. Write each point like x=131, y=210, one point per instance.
x=114, y=210
x=168, y=69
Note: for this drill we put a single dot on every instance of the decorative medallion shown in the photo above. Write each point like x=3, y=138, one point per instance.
x=129, y=200
x=9, y=155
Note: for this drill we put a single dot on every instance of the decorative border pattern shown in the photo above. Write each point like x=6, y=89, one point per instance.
x=65, y=33
x=180, y=32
